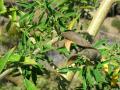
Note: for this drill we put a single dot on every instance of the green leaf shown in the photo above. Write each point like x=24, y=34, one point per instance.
x=29, y=85
x=30, y=61
x=90, y=77
x=14, y=57
x=63, y=70
x=70, y=14
x=24, y=17
x=5, y=59
x=98, y=76
x=84, y=85
x=26, y=5
x=81, y=77
x=99, y=43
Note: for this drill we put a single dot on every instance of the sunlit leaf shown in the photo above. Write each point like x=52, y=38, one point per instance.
x=105, y=64
x=28, y=60
x=5, y=58
x=115, y=76
x=72, y=23
x=14, y=57
x=29, y=85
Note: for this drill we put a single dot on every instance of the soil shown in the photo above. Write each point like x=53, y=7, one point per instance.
x=108, y=31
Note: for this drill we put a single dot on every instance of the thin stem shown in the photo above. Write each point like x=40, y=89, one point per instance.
x=7, y=72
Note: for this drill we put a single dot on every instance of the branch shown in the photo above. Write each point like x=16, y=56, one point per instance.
x=7, y=72
x=99, y=17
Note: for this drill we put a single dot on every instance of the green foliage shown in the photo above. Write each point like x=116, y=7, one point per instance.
x=96, y=76
x=38, y=24
x=4, y=59
x=29, y=85
x=2, y=7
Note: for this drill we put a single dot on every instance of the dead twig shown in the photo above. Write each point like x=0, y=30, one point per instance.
x=6, y=72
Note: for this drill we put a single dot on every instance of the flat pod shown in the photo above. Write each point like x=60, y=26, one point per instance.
x=57, y=58
x=88, y=51
x=92, y=54
x=76, y=38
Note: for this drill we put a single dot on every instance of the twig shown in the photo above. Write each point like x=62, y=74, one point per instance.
x=6, y=72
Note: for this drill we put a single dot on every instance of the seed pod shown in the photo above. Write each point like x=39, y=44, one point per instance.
x=56, y=58
x=92, y=54
x=76, y=38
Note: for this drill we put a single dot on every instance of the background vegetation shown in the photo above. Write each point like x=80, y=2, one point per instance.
x=31, y=28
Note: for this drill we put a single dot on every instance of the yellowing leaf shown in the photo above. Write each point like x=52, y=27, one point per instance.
x=115, y=77
x=113, y=83
x=116, y=71
x=28, y=60
x=72, y=23
x=5, y=58
x=116, y=74
x=105, y=66
x=70, y=26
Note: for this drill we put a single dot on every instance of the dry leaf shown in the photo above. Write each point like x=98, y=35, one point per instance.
x=68, y=44
x=36, y=16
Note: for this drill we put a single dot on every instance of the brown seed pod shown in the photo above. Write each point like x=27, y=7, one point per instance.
x=88, y=51
x=76, y=38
